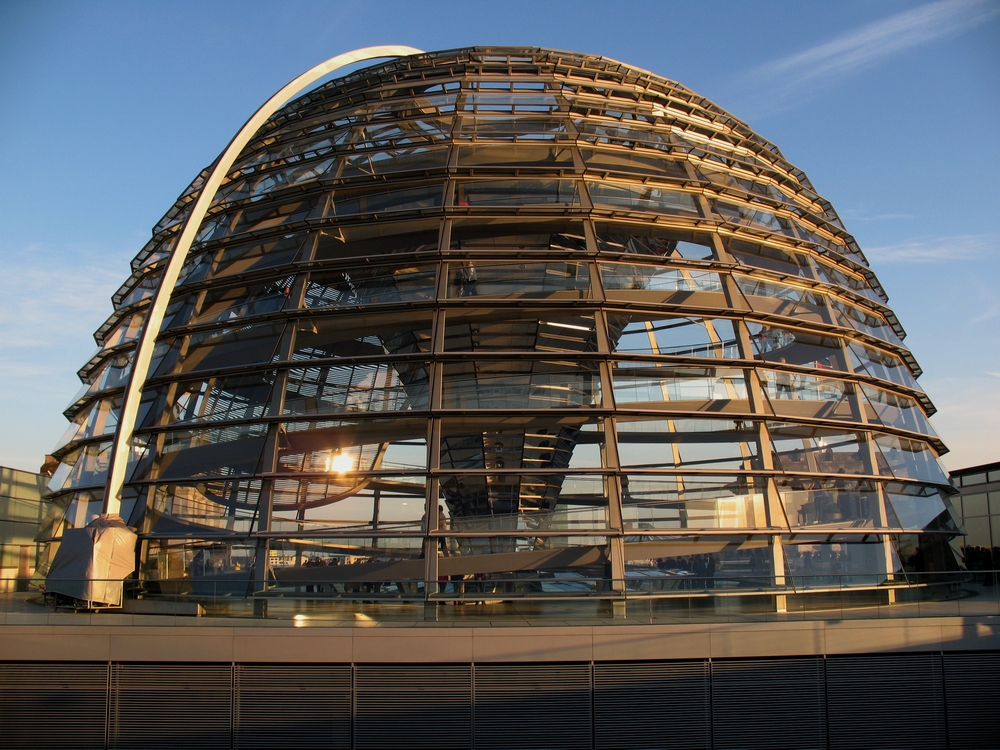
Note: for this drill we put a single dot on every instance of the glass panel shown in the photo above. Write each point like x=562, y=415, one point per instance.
x=513, y=566
x=341, y=447
x=376, y=239
x=833, y=275
x=112, y=373
x=971, y=479
x=369, y=568
x=84, y=467
x=514, y=128
x=520, y=442
x=260, y=184
x=633, y=162
x=932, y=553
x=362, y=335
x=895, y=410
x=795, y=395
x=229, y=303
x=502, y=330
x=379, y=135
x=881, y=364
x=345, y=503
x=524, y=502
x=789, y=346
x=373, y=163
x=865, y=321
x=645, y=198
x=370, y=286
x=507, y=235
x=212, y=400
x=373, y=387
x=819, y=450
x=715, y=562
x=128, y=329
x=82, y=508
x=519, y=156
x=759, y=218
x=256, y=218
x=657, y=278
x=770, y=258
x=688, y=444
x=517, y=193
x=834, y=503
x=192, y=454
x=204, y=509
x=909, y=459
x=975, y=505
x=243, y=258
x=519, y=280
x=630, y=239
x=645, y=333
x=603, y=131
x=651, y=502
x=145, y=289
x=642, y=385
x=210, y=350
x=815, y=564
x=779, y=299
x=497, y=101
x=920, y=507
x=178, y=567
x=727, y=179
x=531, y=487
x=525, y=384
x=100, y=418
x=351, y=203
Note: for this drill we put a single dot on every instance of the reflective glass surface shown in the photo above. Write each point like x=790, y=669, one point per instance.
x=501, y=323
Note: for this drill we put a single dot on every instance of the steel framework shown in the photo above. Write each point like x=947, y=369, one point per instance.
x=502, y=322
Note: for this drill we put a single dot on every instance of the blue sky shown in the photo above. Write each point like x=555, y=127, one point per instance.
x=892, y=108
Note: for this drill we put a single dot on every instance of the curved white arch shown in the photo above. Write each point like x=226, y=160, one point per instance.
x=158, y=307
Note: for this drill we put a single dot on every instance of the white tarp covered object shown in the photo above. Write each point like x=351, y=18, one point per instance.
x=92, y=562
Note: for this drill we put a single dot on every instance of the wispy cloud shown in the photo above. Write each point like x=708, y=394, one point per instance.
x=55, y=295
x=856, y=215
x=968, y=418
x=937, y=250
x=804, y=72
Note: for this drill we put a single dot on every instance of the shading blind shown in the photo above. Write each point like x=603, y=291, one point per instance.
x=883, y=701
x=279, y=707
x=410, y=707
x=972, y=697
x=188, y=706
x=53, y=705
x=647, y=705
x=768, y=704
x=532, y=706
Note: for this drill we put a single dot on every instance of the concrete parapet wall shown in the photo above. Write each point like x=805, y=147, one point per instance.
x=204, y=640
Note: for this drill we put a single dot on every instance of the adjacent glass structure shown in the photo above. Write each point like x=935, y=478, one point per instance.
x=497, y=322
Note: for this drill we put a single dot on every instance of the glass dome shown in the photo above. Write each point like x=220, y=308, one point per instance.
x=511, y=322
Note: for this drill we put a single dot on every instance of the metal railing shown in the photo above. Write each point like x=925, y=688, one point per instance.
x=666, y=599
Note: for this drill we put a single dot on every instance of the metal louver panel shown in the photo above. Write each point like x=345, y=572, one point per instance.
x=885, y=701
x=186, y=706
x=53, y=705
x=768, y=704
x=532, y=706
x=406, y=707
x=652, y=705
x=972, y=698
x=286, y=707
